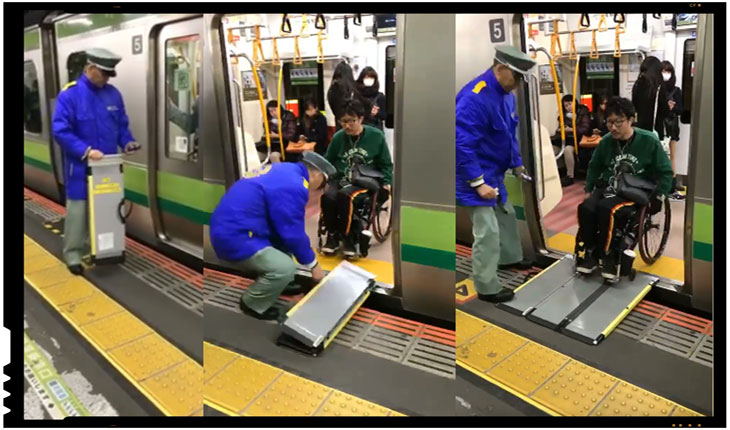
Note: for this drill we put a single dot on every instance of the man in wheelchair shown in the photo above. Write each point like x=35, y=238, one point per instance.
x=629, y=170
x=364, y=167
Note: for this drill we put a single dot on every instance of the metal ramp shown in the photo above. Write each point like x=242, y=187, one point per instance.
x=314, y=322
x=583, y=307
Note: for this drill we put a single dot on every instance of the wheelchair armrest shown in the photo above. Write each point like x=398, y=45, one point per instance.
x=369, y=184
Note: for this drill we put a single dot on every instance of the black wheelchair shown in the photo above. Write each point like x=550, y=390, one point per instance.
x=648, y=228
x=371, y=215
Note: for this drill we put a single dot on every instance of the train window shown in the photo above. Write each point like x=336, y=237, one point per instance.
x=31, y=99
x=182, y=91
x=75, y=65
x=688, y=71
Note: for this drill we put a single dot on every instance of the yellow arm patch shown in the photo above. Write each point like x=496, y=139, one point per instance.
x=306, y=183
x=68, y=85
x=478, y=87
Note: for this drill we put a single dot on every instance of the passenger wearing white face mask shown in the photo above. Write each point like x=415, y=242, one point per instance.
x=368, y=85
x=671, y=121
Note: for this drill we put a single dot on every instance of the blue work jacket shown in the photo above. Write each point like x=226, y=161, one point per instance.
x=265, y=208
x=486, y=139
x=87, y=117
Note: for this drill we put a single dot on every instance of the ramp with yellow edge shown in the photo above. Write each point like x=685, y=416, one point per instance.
x=166, y=376
x=553, y=382
x=241, y=386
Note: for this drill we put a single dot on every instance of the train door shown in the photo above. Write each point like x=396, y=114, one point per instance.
x=177, y=187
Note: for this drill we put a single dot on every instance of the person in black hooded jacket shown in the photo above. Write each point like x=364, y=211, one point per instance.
x=648, y=96
x=343, y=89
x=368, y=85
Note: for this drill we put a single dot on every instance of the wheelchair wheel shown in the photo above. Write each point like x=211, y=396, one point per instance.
x=381, y=221
x=654, y=232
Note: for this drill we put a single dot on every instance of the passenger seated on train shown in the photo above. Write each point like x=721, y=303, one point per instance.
x=288, y=128
x=354, y=143
x=625, y=149
x=583, y=127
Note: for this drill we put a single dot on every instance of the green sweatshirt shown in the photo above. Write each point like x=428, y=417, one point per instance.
x=371, y=147
x=644, y=153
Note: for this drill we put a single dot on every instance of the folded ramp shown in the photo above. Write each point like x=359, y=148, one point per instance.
x=106, y=197
x=529, y=295
x=315, y=321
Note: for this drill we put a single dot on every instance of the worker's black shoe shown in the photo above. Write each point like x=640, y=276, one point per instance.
x=610, y=270
x=269, y=314
x=332, y=245
x=521, y=265
x=76, y=269
x=293, y=290
x=504, y=295
x=349, y=248
x=567, y=181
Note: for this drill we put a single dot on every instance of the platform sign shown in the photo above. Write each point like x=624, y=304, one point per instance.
x=465, y=291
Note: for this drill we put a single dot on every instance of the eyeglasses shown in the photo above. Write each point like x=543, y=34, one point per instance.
x=344, y=122
x=617, y=124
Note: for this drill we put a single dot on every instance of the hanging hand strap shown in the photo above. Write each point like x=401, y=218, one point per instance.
x=285, y=24
x=602, y=26
x=347, y=30
x=585, y=21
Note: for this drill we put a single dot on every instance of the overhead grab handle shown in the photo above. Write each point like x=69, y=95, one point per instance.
x=585, y=22
x=319, y=22
x=285, y=24
x=303, y=31
x=602, y=26
x=258, y=50
x=297, y=55
x=357, y=19
x=594, y=46
x=643, y=23
x=656, y=15
x=619, y=18
x=347, y=30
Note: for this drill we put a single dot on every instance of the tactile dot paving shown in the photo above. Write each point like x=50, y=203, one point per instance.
x=91, y=308
x=489, y=348
x=467, y=327
x=46, y=278
x=681, y=411
x=40, y=262
x=32, y=250
x=289, y=395
x=340, y=404
x=179, y=389
x=239, y=383
x=629, y=400
x=214, y=359
x=529, y=367
x=146, y=356
x=116, y=330
x=68, y=291
x=575, y=390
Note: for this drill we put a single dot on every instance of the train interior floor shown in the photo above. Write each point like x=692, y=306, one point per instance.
x=561, y=225
x=650, y=345
x=118, y=335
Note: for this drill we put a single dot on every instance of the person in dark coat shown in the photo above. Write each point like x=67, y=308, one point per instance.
x=288, y=128
x=649, y=97
x=342, y=89
x=368, y=86
x=313, y=126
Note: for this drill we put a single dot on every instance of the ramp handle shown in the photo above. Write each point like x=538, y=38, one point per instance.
x=123, y=217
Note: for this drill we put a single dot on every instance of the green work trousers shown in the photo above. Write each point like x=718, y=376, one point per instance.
x=275, y=270
x=496, y=241
x=75, y=232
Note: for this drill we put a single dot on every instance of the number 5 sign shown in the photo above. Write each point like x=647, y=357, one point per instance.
x=496, y=30
x=137, y=44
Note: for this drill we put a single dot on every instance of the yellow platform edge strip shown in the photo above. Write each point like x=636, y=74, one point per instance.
x=626, y=311
x=216, y=404
x=526, y=398
x=99, y=349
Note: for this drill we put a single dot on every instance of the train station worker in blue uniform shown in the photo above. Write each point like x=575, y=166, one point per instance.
x=259, y=223
x=89, y=121
x=486, y=147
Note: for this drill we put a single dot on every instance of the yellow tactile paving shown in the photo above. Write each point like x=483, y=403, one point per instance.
x=252, y=388
x=146, y=356
x=382, y=270
x=51, y=276
x=165, y=375
x=179, y=389
x=554, y=382
x=68, y=291
x=629, y=400
x=239, y=383
x=214, y=359
x=489, y=348
x=467, y=327
x=90, y=309
x=339, y=404
x=529, y=367
x=289, y=395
